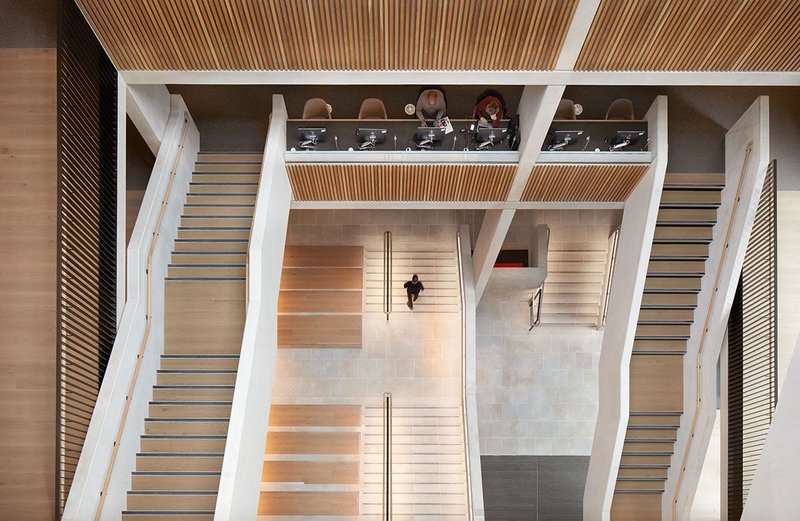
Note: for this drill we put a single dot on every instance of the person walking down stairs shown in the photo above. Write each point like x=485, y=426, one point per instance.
x=413, y=287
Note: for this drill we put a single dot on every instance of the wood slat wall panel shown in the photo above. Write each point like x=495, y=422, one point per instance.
x=332, y=34
x=28, y=182
x=693, y=35
x=87, y=256
x=583, y=183
x=400, y=182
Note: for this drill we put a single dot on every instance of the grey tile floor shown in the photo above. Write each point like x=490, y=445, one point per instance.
x=534, y=488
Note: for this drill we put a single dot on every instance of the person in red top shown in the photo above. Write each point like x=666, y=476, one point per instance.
x=489, y=111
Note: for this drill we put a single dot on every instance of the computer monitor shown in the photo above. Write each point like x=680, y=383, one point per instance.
x=563, y=138
x=426, y=137
x=624, y=139
x=487, y=137
x=310, y=136
x=369, y=137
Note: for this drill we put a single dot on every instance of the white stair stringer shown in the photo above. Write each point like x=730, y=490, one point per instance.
x=574, y=283
x=437, y=270
x=428, y=463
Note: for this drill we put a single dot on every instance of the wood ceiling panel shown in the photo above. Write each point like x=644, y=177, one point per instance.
x=583, y=183
x=331, y=34
x=400, y=182
x=693, y=35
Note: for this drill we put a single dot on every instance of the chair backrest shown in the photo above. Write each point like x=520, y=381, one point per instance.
x=565, y=110
x=316, y=108
x=620, y=109
x=372, y=108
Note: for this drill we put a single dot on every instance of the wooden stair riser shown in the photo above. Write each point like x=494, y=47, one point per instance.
x=186, y=427
x=653, y=472
x=227, y=187
x=172, y=501
x=634, y=433
x=183, y=463
x=219, y=221
x=640, y=485
x=669, y=421
x=240, y=177
x=679, y=251
x=634, y=447
x=666, y=315
x=221, y=363
x=209, y=258
x=183, y=444
x=659, y=345
x=699, y=181
x=175, y=482
x=228, y=167
x=672, y=284
x=641, y=459
x=240, y=210
x=254, y=158
x=663, y=330
x=689, y=198
x=205, y=271
x=196, y=378
x=665, y=300
x=680, y=234
x=636, y=507
x=222, y=199
x=190, y=410
x=690, y=267
x=687, y=215
x=213, y=233
x=191, y=394
x=656, y=383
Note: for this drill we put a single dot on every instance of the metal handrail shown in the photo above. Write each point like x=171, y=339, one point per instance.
x=609, y=277
x=536, y=298
x=464, y=377
x=706, y=325
x=387, y=274
x=148, y=319
x=387, y=456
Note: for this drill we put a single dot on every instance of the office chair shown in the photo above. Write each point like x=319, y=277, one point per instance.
x=372, y=108
x=620, y=109
x=565, y=110
x=316, y=108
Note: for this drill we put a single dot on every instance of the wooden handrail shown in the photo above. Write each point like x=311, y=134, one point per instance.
x=699, y=358
x=148, y=319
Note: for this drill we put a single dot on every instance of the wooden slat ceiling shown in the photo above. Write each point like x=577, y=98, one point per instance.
x=331, y=34
x=583, y=183
x=693, y=35
x=400, y=182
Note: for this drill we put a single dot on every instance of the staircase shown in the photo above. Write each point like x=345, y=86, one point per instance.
x=686, y=217
x=437, y=270
x=574, y=284
x=428, y=470
x=178, y=467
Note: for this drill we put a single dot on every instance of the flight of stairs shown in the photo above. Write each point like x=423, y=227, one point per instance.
x=437, y=270
x=178, y=466
x=428, y=463
x=574, y=283
x=686, y=217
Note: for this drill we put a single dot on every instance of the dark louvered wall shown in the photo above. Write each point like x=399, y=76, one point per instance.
x=752, y=351
x=87, y=158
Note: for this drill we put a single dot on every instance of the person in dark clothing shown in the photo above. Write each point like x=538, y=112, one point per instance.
x=413, y=287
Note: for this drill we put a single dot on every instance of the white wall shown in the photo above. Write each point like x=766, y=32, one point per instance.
x=743, y=180
x=788, y=279
x=773, y=493
x=148, y=107
x=633, y=253
x=244, y=448
x=97, y=453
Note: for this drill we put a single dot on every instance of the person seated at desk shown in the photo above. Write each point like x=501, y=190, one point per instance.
x=431, y=105
x=489, y=111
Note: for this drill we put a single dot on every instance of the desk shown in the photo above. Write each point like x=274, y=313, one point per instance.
x=598, y=131
x=402, y=129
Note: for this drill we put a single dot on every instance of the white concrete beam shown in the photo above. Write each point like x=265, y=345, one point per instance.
x=148, y=108
x=557, y=77
x=490, y=239
x=576, y=36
